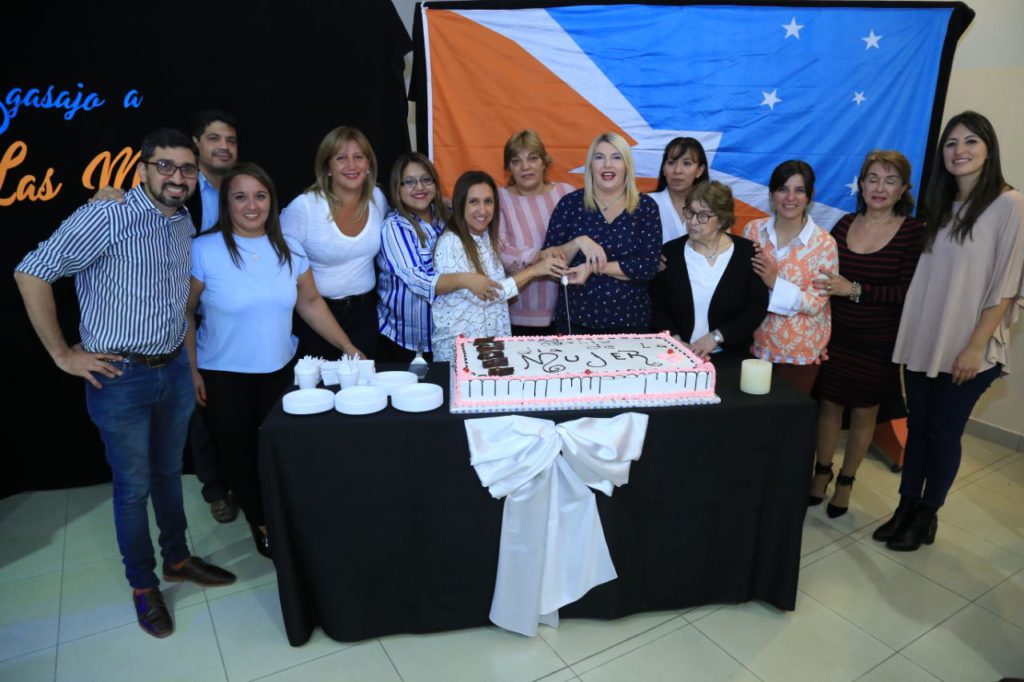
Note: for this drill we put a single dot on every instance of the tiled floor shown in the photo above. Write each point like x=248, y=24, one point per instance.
x=952, y=611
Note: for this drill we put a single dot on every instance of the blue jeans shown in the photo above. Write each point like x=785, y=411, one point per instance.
x=937, y=414
x=143, y=418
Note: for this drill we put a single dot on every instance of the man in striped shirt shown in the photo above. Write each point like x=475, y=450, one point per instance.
x=131, y=263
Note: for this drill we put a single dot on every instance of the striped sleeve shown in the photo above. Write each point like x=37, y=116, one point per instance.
x=82, y=238
x=400, y=253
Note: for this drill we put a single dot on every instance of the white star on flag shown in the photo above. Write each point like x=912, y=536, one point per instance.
x=853, y=186
x=858, y=97
x=871, y=40
x=770, y=99
x=792, y=29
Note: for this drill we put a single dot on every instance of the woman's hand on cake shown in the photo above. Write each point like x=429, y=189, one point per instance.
x=482, y=286
x=593, y=254
x=704, y=346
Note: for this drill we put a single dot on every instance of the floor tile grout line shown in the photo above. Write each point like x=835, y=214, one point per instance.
x=686, y=623
x=725, y=651
x=612, y=646
x=927, y=632
x=877, y=548
x=25, y=653
x=390, y=660
x=982, y=538
x=859, y=627
x=347, y=647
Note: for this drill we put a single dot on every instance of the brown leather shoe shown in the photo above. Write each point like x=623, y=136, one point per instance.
x=154, y=618
x=199, y=572
x=224, y=510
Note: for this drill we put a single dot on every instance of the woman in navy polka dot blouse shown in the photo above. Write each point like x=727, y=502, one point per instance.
x=610, y=235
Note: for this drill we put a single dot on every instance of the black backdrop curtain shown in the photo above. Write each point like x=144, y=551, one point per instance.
x=289, y=72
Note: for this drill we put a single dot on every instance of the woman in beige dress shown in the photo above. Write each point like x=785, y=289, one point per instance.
x=954, y=333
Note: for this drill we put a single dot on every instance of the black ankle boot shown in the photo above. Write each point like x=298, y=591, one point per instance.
x=834, y=511
x=921, y=531
x=820, y=470
x=899, y=522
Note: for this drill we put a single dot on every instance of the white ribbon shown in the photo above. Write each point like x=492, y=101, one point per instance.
x=552, y=548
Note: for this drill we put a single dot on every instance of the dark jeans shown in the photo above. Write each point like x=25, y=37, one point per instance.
x=357, y=315
x=143, y=417
x=937, y=415
x=206, y=459
x=236, y=404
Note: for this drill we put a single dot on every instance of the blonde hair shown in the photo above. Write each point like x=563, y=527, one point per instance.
x=525, y=140
x=329, y=146
x=621, y=146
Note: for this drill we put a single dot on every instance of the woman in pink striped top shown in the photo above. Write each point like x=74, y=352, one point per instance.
x=792, y=253
x=526, y=206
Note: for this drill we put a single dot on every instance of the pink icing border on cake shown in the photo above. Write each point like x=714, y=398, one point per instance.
x=461, y=342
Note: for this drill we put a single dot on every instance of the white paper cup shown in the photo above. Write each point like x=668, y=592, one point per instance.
x=307, y=378
x=366, y=372
x=348, y=378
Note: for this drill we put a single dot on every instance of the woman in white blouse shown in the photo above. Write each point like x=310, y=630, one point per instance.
x=684, y=166
x=469, y=244
x=708, y=294
x=337, y=220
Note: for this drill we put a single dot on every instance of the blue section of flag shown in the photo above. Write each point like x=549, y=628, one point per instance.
x=710, y=68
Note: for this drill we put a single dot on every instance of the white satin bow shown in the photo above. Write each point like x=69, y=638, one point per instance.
x=552, y=543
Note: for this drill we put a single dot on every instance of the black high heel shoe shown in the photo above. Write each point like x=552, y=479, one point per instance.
x=834, y=511
x=261, y=540
x=820, y=470
x=900, y=521
x=920, y=531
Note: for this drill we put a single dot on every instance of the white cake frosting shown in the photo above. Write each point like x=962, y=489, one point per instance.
x=578, y=372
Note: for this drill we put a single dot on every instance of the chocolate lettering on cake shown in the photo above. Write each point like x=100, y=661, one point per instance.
x=601, y=362
x=500, y=371
x=490, y=363
x=491, y=355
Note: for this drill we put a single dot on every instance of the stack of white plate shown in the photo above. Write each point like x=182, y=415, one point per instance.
x=389, y=381
x=308, y=401
x=360, y=400
x=417, y=398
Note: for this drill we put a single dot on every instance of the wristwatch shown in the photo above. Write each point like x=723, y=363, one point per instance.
x=717, y=336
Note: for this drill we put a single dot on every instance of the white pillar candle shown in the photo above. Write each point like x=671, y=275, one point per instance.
x=756, y=376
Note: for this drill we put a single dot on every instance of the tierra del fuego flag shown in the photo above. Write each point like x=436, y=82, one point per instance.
x=757, y=84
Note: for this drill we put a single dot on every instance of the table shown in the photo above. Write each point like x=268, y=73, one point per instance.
x=379, y=524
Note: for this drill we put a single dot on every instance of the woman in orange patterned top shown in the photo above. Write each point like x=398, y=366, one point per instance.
x=792, y=253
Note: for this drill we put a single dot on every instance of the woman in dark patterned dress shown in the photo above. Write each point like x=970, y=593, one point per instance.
x=878, y=250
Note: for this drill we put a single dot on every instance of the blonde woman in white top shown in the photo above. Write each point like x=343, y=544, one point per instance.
x=337, y=220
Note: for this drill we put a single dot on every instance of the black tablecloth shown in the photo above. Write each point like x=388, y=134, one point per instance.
x=379, y=524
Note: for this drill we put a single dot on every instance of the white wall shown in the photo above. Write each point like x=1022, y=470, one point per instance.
x=987, y=76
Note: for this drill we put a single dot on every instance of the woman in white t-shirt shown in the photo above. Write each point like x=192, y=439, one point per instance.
x=337, y=220
x=249, y=279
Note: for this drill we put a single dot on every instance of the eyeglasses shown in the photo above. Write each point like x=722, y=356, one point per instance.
x=425, y=181
x=165, y=167
x=699, y=216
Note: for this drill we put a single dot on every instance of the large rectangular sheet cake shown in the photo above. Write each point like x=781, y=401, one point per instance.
x=530, y=373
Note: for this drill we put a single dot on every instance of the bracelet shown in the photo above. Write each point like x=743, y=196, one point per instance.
x=855, y=292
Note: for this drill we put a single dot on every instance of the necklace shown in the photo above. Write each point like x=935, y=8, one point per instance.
x=714, y=256
x=612, y=202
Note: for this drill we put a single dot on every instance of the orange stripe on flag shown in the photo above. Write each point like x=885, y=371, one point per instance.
x=471, y=68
